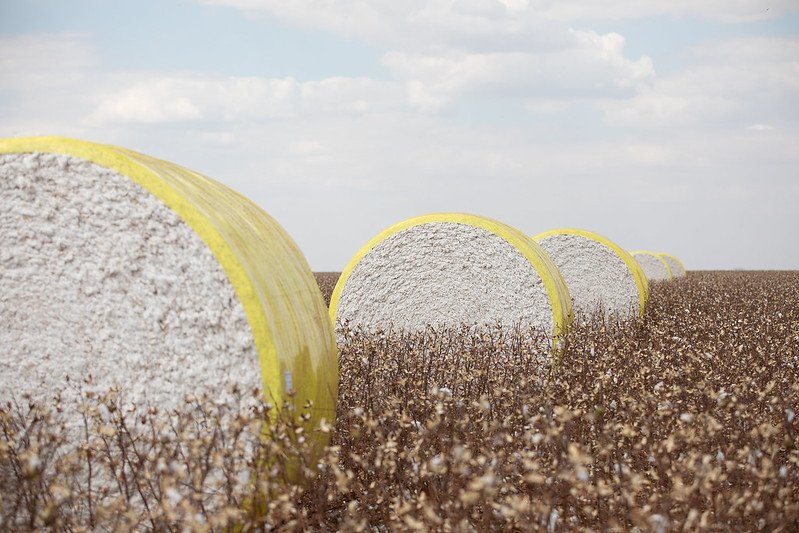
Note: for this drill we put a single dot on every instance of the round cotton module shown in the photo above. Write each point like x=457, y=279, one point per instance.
x=675, y=266
x=600, y=276
x=654, y=267
x=450, y=269
x=153, y=278
x=639, y=273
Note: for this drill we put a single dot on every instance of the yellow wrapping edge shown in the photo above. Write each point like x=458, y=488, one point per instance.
x=656, y=256
x=562, y=314
x=684, y=273
x=643, y=292
x=122, y=161
x=641, y=274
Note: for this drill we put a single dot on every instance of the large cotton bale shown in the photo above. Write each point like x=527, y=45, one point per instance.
x=654, y=267
x=149, y=276
x=601, y=277
x=675, y=266
x=451, y=269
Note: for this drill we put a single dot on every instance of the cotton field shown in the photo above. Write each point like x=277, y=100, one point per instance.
x=684, y=420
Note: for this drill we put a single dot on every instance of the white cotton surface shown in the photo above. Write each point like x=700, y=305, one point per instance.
x=653, y=268
x=445, y=274
x=99, y=277
x=674, y=265
x=598, y=279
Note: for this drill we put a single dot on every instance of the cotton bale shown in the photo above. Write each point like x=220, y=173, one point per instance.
x=151, y=277
x=654, y=267
x=451, y=269
x=675, y=266
x=639, y=273
x=601, y=277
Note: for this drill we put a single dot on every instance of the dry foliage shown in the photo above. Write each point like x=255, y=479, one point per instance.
x=684, y=422
x=327, y=282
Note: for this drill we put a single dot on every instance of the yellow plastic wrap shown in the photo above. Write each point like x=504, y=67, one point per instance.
x=285, y=310
x=640, y=273
x=643, y=289
x=656, y=256
x=677, y=274
x=557, y=292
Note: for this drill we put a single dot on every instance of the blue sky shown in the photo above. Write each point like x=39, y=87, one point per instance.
x=665, y=126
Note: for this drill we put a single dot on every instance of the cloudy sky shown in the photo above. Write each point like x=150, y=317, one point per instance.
x=670, y=126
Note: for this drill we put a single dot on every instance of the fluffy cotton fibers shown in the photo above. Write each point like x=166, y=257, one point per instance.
x=654, y=267
x=675, y=266
x=601, y=277
x=451, y=269
x=100, y=277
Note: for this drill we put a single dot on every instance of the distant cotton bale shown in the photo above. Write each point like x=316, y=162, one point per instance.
x=451, y=269
x=639, y=273
x=151, y=277
x=675, y=266
x=601, y=277
x=654, y=267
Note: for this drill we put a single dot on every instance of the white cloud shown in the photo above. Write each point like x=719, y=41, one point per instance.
x=161, y=100
x=153, y=98
x=441, y=50
x=546, y=106
x=736, y=191
x=33, y=62
x=46, y=86
x=51, y=78
x=729, y=11
x=390, y=21
x=760, y=127
x=593, y=66
x=734, y=83
x=351, y=95
x=351, y=17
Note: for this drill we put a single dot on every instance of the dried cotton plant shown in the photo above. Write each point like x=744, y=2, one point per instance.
x=683, y=421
